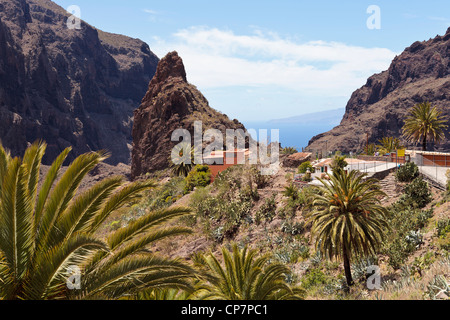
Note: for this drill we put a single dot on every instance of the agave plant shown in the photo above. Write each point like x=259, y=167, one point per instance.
x=46, y=233
x=244, y=277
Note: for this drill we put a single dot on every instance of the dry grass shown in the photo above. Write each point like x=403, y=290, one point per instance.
x=409, y=287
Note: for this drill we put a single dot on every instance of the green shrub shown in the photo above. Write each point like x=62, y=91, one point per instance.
x=403, y=238
x=407, y=172
x=313, y=278
x=222, y=213
x=418, y=192
x=422, y=263
x=443, y=233
x=443, y=227
x=304, y=167
x=267, y=211
x=199, y=177
x=162, y=196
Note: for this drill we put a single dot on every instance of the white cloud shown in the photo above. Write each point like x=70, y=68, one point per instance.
x=152, y=15
x=219, y=58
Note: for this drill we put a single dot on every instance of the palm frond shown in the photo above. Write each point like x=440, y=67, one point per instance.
x=124, y=196
x=15, y=219
x=63, y=193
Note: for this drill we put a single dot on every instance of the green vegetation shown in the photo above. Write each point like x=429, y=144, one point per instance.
x=338, y=164
x=288, y=150
x=303, y=168
x=443, y=233
x=425, y=123
x=295, y=199
x=228, y=207
x=348, y=219
x=44, y=233
x=199, y=177
x=267, y=211
x=406, y=221
x=183, y=154
x=407, y=172
x=389, y=144
x=313, y=278
x=311, y=242
x=417, y=193
x=370, y=149
x=244, y=276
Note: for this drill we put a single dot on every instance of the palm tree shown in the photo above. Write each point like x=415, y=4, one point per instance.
x=291, y=192
x=425, y=123
x=288, y=150
x=369, y=149
x=338, y=164
x=44, y=234
x=244, y=277
x=389, y=144
x=180, y=166
x=347, y=218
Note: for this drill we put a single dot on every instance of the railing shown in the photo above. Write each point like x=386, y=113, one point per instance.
x=434, y=168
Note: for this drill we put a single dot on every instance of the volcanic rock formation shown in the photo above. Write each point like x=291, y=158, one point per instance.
x=171, y=103
x=378, y=109
x=66, y=86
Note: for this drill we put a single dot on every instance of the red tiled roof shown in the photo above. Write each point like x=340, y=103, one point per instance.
x=300, y=155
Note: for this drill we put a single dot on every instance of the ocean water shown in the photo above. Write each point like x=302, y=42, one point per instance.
x=290, y=134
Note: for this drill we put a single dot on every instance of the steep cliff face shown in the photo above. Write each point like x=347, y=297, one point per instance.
x=378, y=109
x=74, y=88
x=171, y=103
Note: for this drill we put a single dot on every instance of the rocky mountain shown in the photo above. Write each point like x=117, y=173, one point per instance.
x=171, y=103
x=378, y=109
x=69, y=87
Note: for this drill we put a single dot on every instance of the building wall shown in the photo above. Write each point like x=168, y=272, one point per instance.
x=436, y=160
x=239, y=157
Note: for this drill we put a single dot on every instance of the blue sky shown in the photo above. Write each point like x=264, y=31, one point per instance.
x=262, y=60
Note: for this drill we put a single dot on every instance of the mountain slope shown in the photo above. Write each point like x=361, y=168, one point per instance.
x=171, y=103
x=74, y=88
x=378, y=109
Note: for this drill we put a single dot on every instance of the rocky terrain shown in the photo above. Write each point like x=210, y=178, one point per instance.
x=171, y=103
x=378, y=109
x=74, y=88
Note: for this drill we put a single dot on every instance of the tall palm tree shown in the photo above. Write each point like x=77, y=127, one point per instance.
x=347, y=218
x=48, y=232
x=425, y=123
x=389, y=144
x=244, y=277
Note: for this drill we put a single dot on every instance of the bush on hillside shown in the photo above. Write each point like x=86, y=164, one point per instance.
x=199, y=177
x=407, y=172
x=418, y=193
